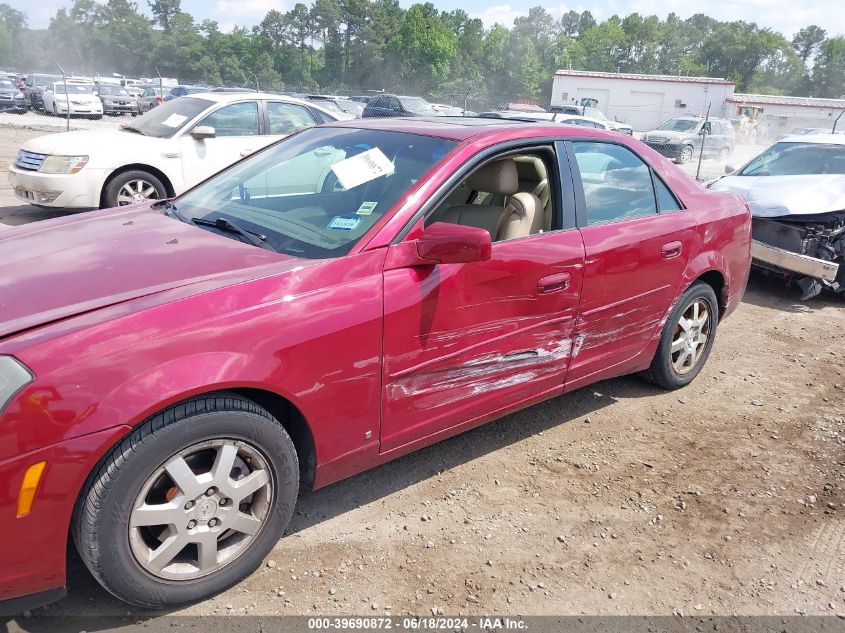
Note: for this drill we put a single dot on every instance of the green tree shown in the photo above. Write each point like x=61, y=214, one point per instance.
x=425, y=48
x=829, y=69
x=163, y=12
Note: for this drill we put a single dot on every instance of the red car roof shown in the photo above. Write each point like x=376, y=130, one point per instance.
x=462, y=128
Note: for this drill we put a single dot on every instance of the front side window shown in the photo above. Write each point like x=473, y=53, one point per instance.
x=798, y=159
x=315, y=194
x=287, y=118
x=236, y=119
x=617, y=184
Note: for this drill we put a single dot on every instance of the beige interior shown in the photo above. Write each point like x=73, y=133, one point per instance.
x=512, y=199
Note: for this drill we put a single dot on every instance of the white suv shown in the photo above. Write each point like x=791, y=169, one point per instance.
x=160, y=154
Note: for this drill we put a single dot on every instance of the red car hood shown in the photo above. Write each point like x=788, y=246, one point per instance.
x=56, y=269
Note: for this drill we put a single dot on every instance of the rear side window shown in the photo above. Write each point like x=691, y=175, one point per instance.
x=666, y=200
x=287, y=118
x=617, y=184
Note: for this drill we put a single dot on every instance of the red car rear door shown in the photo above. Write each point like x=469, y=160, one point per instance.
x=638, y=240
x=463, y=342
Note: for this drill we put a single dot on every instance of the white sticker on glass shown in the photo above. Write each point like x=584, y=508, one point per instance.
x=174, y=120
x=366, y=208
x=362, y=168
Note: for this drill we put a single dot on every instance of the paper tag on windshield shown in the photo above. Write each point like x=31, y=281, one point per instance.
x=362, y=168
x=174, y=120
x=344, y=223
x=366, y=208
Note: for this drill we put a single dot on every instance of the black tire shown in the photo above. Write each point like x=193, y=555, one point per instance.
x=101, y=522
x=112, y=188
x=662, y=372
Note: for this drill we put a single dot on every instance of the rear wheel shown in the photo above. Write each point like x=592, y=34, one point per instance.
x=189, y=504
x=687, y=338
x=133, y=187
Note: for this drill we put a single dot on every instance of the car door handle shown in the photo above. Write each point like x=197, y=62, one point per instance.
x=554, y=283
x=670, y=250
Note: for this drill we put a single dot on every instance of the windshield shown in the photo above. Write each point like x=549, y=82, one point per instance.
x=72, y=89
x=112, y=90
x=595, y=113
x=679, y=125
x=6, y=85
x=170, y=117
x=798, y=159
x=315, y=194
x=328, y=105
x=415, y=104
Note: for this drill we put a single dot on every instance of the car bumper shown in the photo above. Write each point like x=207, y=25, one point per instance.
x=77, y=191
x=33, y=547
x=17, y=105
x=670, y=150
x=79, y=110
x=768, y=256
x=112, y=108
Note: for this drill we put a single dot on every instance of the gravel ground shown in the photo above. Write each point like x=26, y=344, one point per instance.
x=46, y=123
x=723, y=498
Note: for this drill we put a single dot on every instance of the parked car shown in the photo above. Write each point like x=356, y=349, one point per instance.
x=557, y=117
x=346, y=296
x=181, y=91
x=117, y=100
x=681, y=138
x=150, y=98
x=232, y=89
x=343, y=107
x=12, y=99
x=593, y=114
x=162, y=153
x=384, y=105
x=796, y=191
x=34, y=86
x=78, y=98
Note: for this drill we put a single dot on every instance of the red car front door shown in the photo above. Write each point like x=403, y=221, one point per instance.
x=637, y=241
x=463, y=341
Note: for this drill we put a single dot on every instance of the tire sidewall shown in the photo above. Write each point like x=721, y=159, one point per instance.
x=121, y=573
x=662, y=367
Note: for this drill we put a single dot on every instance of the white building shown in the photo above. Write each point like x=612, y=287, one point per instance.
x=783, y=114
x=644, y=101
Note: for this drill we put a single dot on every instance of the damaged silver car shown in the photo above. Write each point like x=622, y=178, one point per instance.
x=796, y=191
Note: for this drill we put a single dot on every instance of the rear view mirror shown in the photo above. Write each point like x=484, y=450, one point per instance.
x=203, y=131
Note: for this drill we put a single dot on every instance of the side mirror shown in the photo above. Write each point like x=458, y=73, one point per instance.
x=442, y=243
x=706, y=129
x=202, y=132
x=729, y=169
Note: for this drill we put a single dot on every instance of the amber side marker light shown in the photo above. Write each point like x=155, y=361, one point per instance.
x=28, y=487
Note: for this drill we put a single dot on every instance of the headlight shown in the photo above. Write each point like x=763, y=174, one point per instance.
x=13, y=377
x=63, y=164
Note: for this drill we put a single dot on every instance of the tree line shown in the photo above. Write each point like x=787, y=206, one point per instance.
x=335, y=45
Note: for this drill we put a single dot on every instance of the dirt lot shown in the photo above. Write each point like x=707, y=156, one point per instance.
x=726, y=497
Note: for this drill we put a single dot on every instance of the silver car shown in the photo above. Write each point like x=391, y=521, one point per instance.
x=116, y=100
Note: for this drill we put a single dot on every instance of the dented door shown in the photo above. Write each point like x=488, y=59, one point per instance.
x=463, y=341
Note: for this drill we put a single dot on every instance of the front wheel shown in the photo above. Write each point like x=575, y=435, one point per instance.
x=687, y=338
x=189, y=504
x=686, y=155
x=133, y=187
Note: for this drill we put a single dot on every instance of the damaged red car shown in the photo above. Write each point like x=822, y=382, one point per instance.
x=173, y=374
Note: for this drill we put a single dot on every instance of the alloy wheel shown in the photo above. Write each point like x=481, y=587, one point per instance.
x=201, y=509
x=690, y=338
x=136, y=191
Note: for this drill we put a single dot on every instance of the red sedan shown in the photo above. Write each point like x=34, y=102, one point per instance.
x=172, y=374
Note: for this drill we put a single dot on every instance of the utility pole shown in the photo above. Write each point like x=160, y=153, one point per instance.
x=67, y=96
x=703, y=136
